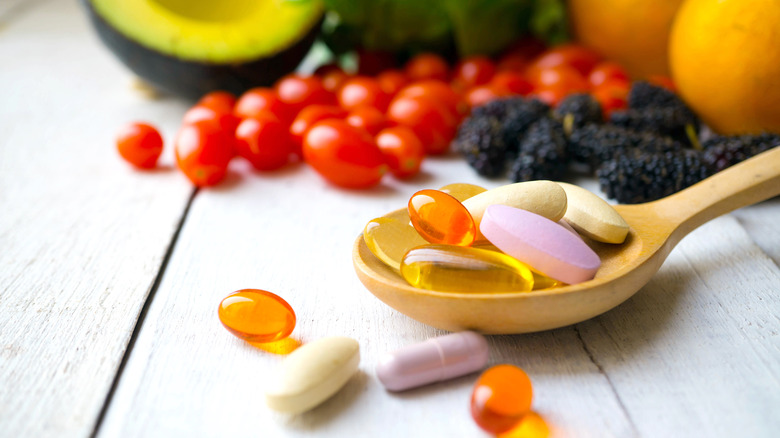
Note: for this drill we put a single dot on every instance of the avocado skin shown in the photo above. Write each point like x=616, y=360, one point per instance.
x=194, y=79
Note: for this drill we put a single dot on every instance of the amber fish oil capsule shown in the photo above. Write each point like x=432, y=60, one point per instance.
x=501, y=397
x=434, y=360
x=450, y=268
x=256, y=315
x=440, y=218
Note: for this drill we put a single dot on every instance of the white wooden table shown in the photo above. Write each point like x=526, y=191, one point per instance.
x=110, y=280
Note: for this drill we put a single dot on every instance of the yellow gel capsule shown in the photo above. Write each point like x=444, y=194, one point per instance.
x=541, y=281
x=451, y=268
x=390, y=238
x=462, y=191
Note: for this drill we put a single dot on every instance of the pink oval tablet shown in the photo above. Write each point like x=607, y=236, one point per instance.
x=541, y=243
x=433, y=360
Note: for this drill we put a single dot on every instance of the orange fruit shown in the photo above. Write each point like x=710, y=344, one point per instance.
x=632, y=32
x=725, y=61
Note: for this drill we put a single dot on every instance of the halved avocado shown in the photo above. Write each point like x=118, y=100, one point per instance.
x=191, y=47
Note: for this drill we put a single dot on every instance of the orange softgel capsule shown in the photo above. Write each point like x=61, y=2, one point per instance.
x=256, y=315
x=440, y=218
x=501, y=397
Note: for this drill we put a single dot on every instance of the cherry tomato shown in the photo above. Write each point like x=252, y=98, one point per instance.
x=431, y=121
x=333, y=78
x=344, y=155
x=299, y=91
x=483, y=94
x=372, y=62
x=437, y=91
x=559, y=76
x=427, y=66
x=474, y=70
x=260, y=99
x=612, y=96
x=551, y=94
x=308, y=117
x=607, y=71
x=362, y=91
x=512, y=62
x=264, y=141
x=392, y=81
x=580, y=58
x=509, y=82
x=140, y=144
x=221, y=101
x=227, y=120
x=368, y=118
x=203, y=151
x=402, y=150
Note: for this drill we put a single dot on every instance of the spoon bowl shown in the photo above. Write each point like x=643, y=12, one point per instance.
x=655, y=229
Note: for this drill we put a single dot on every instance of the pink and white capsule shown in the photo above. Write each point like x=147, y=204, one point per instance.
x=434, y=360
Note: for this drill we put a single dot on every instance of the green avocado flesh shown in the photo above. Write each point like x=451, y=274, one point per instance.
x=213, y=31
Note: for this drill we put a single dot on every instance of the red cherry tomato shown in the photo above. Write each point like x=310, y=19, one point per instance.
x=140, y=144
x=431, y=121
x=260, y=99
x=437, y=91
x=562, y=76
x=344, y=155
x=512, y=62
x=308, y=117
x=392, y=81
x=580, y=58
x=474, y=70
x=203, y=151
x=612, y=96
x=362, y=91
x=483, y=94
x=427, y=66
x=299, y=91
x=509, y=82
x=402, y=150
x=607, y=71
x=368, y=118
x=663, y=81
x=264, y=141
x=221, y=101
x=333, y=80
x=552, y=94
x=228, y=121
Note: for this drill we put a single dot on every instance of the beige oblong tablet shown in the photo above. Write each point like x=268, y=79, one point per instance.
x=592, y=216
x=312, y=373
x=545, y=198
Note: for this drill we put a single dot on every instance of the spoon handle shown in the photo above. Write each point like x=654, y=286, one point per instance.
x=754, y=180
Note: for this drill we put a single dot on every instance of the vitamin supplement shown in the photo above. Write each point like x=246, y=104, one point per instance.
x=544, y=198
x=462, y=191
x=450, y=268
x=592, y=216
x=541, y=243
x=566, y=225
x=256, y=315
x=501, y=397
x=312, y=373
x=389, y=239
x=440, y=218
x=434, y=360
x=532, y=425
x=540, y=281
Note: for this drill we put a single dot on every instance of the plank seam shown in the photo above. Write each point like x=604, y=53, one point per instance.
x=142, y=316
x=595, y=362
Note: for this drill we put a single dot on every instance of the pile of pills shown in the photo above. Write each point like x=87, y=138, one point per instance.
x=519, y=237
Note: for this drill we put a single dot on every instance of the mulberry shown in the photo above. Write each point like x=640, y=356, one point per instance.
x=542, y=153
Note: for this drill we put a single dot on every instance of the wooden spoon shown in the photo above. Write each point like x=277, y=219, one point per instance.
x=656, y=227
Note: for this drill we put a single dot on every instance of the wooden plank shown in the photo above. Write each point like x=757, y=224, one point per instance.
x=760, y=221
x=696, y=353
x=82, y=235
x=289, y=233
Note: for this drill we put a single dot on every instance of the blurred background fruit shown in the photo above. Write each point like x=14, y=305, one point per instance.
x=725, y=61
x=632, y=32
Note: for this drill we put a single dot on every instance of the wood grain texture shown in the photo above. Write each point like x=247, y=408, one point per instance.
x=82, y=235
